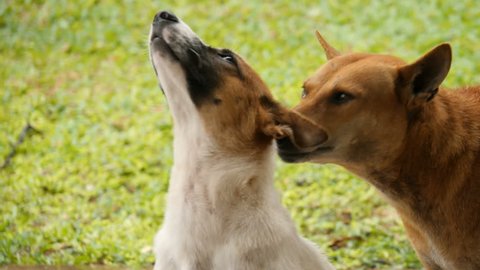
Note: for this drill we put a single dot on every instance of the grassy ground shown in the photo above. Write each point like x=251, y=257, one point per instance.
x=90, y=189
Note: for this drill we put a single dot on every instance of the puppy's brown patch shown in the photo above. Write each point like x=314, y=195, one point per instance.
x=244, y=117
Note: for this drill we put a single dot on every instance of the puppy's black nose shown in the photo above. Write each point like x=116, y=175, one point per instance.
x=165, y=15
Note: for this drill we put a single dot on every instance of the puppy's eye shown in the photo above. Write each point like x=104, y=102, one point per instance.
x=340, y=97
x=227, y=57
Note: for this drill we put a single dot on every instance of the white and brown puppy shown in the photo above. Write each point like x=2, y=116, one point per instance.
x=222, y=209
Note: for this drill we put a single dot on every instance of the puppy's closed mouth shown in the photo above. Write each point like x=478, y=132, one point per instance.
x=160, y=41
x=154, y=37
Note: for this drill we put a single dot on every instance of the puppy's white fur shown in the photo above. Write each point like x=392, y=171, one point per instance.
x=207, y=224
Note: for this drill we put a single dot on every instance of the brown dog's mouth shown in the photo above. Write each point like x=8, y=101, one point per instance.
x=288, y=152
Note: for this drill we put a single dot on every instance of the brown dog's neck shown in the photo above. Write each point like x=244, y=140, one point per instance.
x=438, y=149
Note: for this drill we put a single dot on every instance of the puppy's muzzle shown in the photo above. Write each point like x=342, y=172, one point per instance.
x=162, y=19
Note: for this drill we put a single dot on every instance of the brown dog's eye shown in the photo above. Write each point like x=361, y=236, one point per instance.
x=340, y=97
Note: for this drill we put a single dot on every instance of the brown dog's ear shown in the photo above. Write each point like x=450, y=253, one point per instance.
x=423, y=78
x=330, y=52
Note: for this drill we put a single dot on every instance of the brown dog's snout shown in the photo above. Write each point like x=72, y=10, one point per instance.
x=165, y=15
x=305, y=135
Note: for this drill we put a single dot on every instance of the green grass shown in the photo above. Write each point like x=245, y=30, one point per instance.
x=90, y=189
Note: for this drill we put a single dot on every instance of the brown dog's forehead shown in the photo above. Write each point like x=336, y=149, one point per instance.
x=330, y=68
x=351, y=68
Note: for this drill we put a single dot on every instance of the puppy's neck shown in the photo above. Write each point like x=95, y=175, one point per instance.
x=206, y=176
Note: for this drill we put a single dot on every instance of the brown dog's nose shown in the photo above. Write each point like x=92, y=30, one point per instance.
x=165, y=15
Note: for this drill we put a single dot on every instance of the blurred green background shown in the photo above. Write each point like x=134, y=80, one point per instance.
x=91, y=188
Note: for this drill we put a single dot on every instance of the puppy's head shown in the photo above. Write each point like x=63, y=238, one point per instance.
x=212, y=91
x=364, y=103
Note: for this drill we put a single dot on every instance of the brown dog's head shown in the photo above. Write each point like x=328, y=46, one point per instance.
x=364, y=103
x=214, y=95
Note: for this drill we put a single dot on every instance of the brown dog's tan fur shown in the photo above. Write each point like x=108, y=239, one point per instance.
x=384, y=121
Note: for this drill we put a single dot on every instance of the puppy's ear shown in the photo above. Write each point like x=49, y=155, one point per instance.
x=419, y=82
x=279, y=122
x=276, y=131
x=330, y=52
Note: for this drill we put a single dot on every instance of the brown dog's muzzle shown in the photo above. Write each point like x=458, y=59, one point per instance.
x=306, y=137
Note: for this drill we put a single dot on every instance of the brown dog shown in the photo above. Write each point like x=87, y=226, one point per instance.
x=388, y=122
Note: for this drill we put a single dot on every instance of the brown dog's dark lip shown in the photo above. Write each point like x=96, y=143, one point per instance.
x=323, y=149
x=291, y=157
x=298, y=151
x=299, y=156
